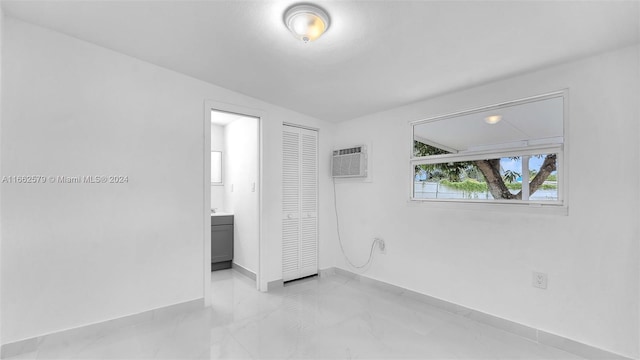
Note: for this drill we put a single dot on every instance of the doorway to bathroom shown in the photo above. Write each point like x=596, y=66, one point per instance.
x=232, y=191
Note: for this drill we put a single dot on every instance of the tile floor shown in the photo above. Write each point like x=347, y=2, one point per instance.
x=320, y=318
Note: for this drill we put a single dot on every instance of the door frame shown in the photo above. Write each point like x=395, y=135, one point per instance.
x=210, y=105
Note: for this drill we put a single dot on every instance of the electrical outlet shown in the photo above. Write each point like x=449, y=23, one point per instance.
x=539, y=280
x=381, y=245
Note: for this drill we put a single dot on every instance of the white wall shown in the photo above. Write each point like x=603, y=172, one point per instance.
x=483, y=259
x=74, y=254
x=218, y=144
x=241, y=189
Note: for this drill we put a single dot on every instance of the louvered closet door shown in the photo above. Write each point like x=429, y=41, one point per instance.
x=300, y=203
x=290, y=202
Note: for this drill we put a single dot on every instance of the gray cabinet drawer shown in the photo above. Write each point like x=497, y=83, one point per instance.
x=222, y=220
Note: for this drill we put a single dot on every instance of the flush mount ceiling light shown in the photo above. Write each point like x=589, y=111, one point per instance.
x=306, y=22
x=493, y=119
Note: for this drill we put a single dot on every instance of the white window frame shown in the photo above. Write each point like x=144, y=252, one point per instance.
x=523, y=149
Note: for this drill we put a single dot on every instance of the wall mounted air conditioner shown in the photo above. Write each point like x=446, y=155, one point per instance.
x=350, y=162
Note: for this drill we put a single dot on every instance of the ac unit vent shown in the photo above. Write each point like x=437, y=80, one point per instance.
x=350, y=162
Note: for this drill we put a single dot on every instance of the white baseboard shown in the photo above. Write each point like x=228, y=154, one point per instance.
x=244, y=271
x=275, y=284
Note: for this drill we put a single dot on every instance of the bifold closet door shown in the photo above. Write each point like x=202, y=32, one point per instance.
x=299, y=203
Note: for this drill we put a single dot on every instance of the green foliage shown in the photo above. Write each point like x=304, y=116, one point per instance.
x=514, y=186
x=474, y=186
x=518, y=186
x=468, y=186
x=422, y=149
x=510, y=176
x=455, y=171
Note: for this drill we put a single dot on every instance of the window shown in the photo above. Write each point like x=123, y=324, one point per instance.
x=506, y=153
x=216, y=168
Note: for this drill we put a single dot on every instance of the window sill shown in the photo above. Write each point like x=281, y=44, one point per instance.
x=523, y=208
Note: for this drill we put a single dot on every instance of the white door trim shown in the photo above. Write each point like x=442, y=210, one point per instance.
x=238, y=109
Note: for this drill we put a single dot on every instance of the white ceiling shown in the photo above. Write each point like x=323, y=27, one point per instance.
x=540, y=121
x=376, y=55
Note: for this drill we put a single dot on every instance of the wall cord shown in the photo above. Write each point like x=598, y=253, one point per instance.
x=335, y=207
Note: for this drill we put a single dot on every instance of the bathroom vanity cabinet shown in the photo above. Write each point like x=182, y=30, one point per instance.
x=221, y=241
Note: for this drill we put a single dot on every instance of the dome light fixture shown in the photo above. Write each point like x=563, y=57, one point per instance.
x=306, y=22
x=493, y=119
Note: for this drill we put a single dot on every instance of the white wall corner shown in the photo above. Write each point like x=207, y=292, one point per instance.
x=1, y=173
